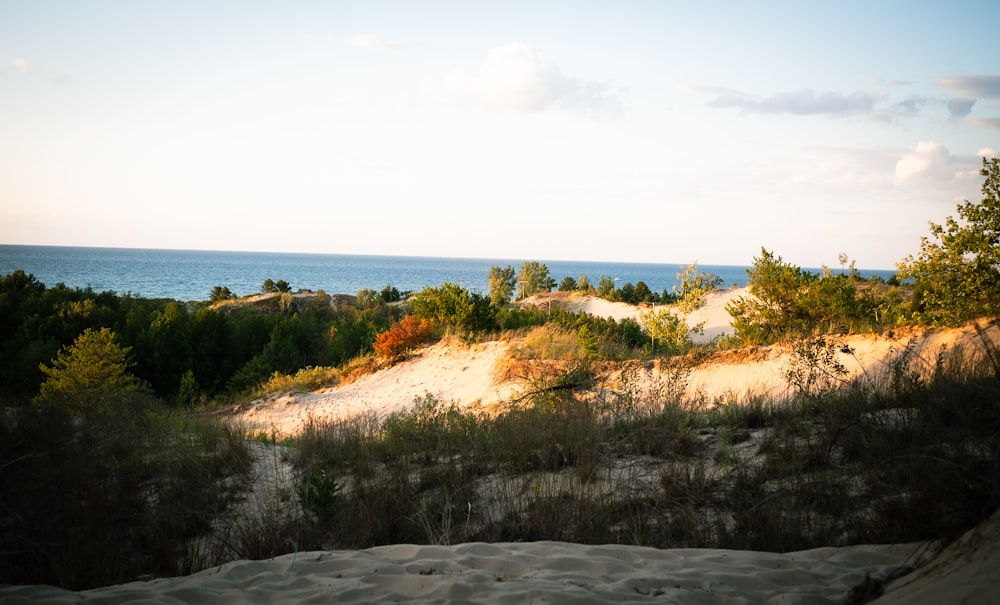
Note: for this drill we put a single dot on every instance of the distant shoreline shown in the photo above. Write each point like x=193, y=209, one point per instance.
x=188, y=275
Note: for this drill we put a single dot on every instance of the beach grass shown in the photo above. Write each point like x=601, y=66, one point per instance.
x=898, y=459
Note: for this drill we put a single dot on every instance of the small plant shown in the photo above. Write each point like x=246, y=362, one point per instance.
x=815, y=366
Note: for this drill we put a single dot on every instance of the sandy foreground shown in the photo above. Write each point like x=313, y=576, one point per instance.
x=556, y=572
x=535, y=572
x=968, y=571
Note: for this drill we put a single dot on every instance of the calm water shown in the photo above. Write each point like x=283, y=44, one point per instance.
x=191, y=275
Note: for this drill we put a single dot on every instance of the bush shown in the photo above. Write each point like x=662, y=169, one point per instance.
x=402, y=336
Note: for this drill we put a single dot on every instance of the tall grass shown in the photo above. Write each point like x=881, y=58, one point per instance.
x=876, y=459
x=109, y=498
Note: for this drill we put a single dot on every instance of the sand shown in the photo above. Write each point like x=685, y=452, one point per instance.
x=536, y=572
x=553, y=572
x=463, y=374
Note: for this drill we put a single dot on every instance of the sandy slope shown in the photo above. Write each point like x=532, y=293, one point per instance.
x=449, y=370
x=460, y=373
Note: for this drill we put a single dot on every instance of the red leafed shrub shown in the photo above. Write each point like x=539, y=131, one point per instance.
x=403, y=335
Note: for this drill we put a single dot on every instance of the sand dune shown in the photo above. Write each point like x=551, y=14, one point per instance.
x=460, y=373
x=554, y=572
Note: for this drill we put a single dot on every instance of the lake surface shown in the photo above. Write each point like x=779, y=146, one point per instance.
x=191, y=274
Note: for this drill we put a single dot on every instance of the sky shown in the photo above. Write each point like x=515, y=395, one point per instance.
x=632, y=131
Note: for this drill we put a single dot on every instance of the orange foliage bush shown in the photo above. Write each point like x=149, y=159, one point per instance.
x=403, y=335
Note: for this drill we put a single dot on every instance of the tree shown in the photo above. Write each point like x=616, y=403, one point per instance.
x=667, y=332
x=957, y=271
x=269, y=286
x=568, y=284
x=790, y=302
x=606, y=287
x=220, y=293
x=695, y=285
x=642, y=293
x=451, y=304
x=502, y=283
x=88, y=376
x=390, y=294
x=534, y=278
x=368, y=298
x=777, y=308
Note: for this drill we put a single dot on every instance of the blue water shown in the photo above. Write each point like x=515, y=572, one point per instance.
x=191, y=275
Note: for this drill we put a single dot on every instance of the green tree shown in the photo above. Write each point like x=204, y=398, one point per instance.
x=453, y=305
x=368, y=298
x=169, y=348
x=91, y=375
x=534, y=278
x=788, y=302
x=390, y=294
x=269, y=286
x=957, y=271
x=568, y=284
x=642, y=293
x=695, y=285
x=220, y=293
x=626, y=293
x=502, y=284
x=668, y=333
x=606, y=287
x=777, y=308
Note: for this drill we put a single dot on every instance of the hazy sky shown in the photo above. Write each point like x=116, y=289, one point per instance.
x=618, y=131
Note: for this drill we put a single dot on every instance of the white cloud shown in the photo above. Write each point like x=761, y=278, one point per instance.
x=802, y=102
x=931, y=164
x=372, y=42
x=987, y=152
x=23, y=66
x=516, y=77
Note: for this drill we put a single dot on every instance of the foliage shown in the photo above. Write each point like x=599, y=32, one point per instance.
x=270, y=286
x=221, y=293
x=694, y=286
x=450, y=304
x=534, y=278
x=568, y=284
x=90, y=376
x=402, y=336
x=787, y=302
x=815, y=366
x=184, y=352
x=368, y=298
x=105, y=499
x=957, y=272
x=606, y=287
x=502, y=283
x=668, y=333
